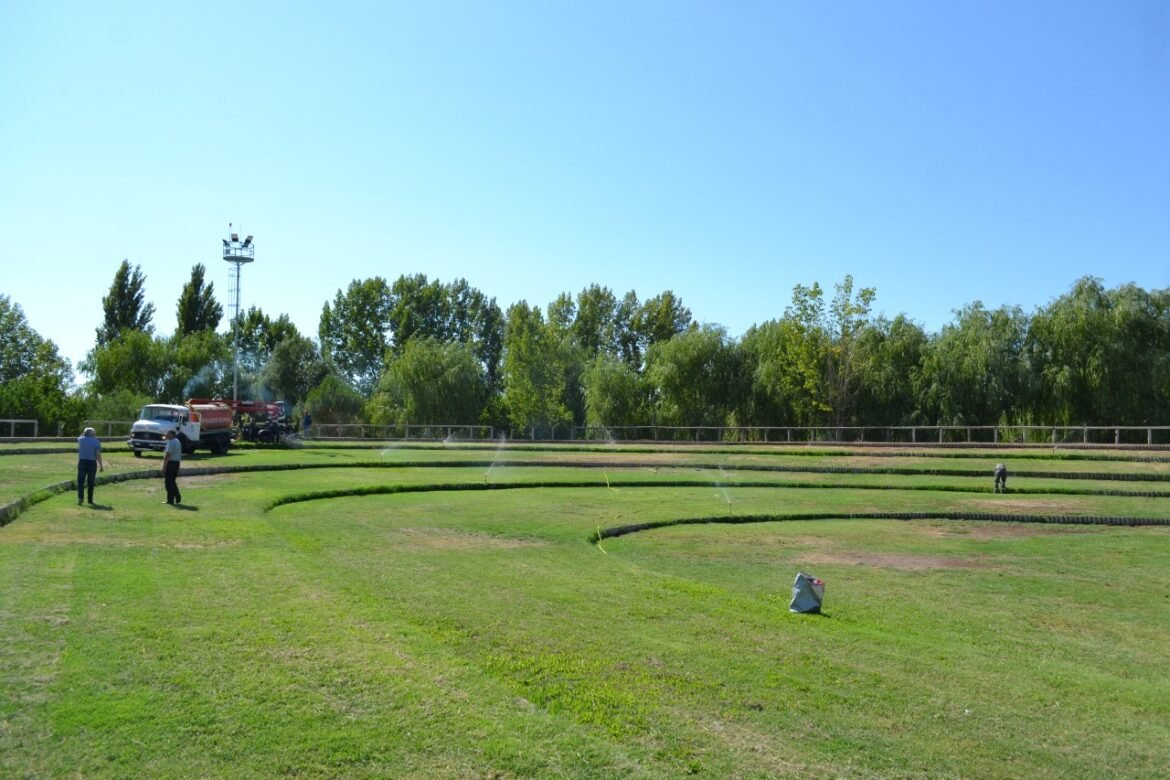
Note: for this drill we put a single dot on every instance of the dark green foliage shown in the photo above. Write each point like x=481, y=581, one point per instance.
x=276, y=362
x=614, y=393
x=121, y=405
x=891, y=353
x=1098, y=354
x=334, y=401
x=430, y=382
x=354, y=332
x=293, y=369
x=696, y=377
x=371, y=318
x=534, y=372
x=974, y=371
x=125, y=304
x=197, y=309
x=35, y=381
x=1092, y=357
x=166, y=369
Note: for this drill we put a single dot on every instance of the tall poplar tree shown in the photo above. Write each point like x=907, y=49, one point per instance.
x=355, y=332
x=125, y=305
x=198, y=310
x=533, y=375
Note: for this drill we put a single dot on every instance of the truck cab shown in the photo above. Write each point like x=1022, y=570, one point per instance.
x=188, y=423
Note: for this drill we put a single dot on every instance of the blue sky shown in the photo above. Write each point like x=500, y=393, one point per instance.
x=941, y=152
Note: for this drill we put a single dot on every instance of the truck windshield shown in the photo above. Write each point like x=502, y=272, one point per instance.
x=160, y=413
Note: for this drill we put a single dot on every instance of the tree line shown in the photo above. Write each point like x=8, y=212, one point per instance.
x=420, y=351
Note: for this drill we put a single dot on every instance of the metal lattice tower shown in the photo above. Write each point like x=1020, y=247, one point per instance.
x=237, y=253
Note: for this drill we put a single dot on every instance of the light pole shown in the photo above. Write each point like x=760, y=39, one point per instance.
x=237, y=253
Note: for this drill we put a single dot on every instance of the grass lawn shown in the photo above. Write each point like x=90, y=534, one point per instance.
x=479, y=633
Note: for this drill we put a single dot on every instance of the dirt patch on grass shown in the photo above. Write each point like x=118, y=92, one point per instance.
x=218, y=544
x=972, y=530
x=1024, y=506
x=205, y=480
x=68, y=539
x=194, y=481
x=896, y=560
x=452, y=539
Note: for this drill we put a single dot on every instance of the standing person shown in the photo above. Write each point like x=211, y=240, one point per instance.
x=170, y=468
x=89, y=460
x=1000, y=478
x=306, y=424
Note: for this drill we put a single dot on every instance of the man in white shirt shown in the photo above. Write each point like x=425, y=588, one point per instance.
x=170, y=468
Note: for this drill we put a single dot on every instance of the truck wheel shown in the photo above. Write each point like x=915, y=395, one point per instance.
x=138, y=453
x=186, y=444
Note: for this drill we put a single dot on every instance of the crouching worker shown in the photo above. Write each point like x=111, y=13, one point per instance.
x=1000, y=478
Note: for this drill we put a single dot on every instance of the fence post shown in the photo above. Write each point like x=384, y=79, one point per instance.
x=1117, y=436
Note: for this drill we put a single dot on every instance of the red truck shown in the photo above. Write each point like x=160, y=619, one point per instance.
x=263, y=422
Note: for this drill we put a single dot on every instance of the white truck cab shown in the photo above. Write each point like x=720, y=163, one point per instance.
x=199, y=426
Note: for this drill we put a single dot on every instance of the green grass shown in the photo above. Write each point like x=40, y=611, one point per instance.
x=478, y=633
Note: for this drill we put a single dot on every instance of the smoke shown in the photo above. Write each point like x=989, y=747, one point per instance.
x=203, y=383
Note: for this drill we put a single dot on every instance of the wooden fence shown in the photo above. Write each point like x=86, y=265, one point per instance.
x=924, y=435
x=1080, y=435
x=402, y=432
x=24, y=425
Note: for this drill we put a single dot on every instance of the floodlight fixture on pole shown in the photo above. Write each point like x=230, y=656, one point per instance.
x=237, y=253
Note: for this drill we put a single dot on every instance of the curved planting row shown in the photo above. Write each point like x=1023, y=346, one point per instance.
x=614, y=531
x=623, y=530
x=10, y=511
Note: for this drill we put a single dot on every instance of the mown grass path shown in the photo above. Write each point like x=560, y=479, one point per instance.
x=390, y=628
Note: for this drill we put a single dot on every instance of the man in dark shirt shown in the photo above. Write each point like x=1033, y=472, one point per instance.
x=89, y=461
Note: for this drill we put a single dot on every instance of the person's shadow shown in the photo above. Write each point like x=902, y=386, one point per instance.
x=187, y=507
x=101, y=507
